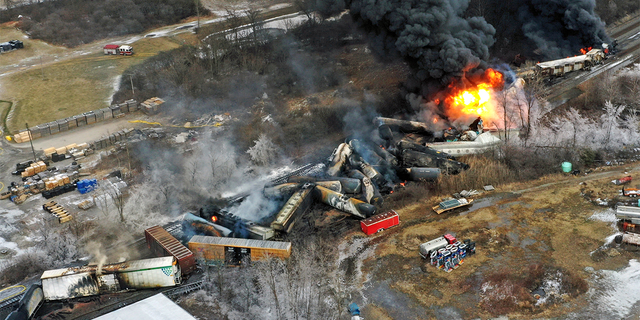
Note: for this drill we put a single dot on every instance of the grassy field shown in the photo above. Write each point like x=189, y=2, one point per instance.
x=71, y=86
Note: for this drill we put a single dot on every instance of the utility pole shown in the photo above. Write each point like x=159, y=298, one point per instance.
x=41, y=68
x=133, y=91
x=31, y=141
x=198, y=13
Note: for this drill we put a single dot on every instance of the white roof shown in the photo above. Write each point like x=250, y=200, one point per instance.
x=562, y=62
x=157, y=307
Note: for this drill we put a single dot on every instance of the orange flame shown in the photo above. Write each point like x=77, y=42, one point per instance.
x=473, y=101
x=214, y=218
x=585, y=50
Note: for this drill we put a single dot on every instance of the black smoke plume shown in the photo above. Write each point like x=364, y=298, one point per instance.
x=432, y=36
x=561, y=28
x=541, y=29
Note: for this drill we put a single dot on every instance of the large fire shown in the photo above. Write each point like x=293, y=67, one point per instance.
x=585, y=50
x=474, y=100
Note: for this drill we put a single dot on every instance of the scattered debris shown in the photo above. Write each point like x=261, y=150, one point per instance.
x=451, y=204
x=622, y=181
x=86, y=204
x=489, y=188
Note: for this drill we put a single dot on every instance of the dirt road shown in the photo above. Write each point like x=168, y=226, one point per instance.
x=547, y=238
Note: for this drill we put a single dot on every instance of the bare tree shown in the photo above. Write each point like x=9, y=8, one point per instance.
x=234, y=21
x=534, y=93
x=264, y=152
x=307, y=8
x=270, y=270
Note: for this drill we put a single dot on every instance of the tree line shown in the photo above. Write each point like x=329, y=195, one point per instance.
x=75, y=22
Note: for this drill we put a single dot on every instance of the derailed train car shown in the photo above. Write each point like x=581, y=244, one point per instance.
x=162, y=243
x=295, y=207
x=28, y=305
x=76, y=282
x=233, y=251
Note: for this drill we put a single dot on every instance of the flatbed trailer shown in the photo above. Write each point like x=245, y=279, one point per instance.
x=448, y=205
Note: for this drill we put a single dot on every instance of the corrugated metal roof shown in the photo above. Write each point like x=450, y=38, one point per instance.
x=157, y=307
x=235, y=242
x=169, y=242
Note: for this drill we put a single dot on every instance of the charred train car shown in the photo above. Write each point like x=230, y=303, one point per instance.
x=76, y=282
x=560, y=67
x=28, y=305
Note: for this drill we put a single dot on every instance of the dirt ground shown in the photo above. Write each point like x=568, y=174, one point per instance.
x=525, y=236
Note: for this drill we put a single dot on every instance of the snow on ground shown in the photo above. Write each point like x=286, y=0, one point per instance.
x=612, y=294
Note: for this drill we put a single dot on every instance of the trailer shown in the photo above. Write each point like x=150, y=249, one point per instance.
x=380, y=222
x=452, y=204
x=234, y=251
x=162, y=243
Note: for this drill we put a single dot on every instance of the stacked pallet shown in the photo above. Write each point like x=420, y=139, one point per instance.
x=22, y=137
x=57, y=210
x=86, y=204
x=58, y=180
x=34, y=168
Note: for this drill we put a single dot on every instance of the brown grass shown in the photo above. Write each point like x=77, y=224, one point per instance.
x=482, y=171
x=71, y=86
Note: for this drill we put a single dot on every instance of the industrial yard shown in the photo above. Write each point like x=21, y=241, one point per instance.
x=284, y=168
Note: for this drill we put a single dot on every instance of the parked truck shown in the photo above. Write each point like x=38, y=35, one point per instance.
x=123, y=50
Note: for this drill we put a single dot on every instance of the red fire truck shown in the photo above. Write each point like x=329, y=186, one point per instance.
x=123, y=50
x=380, y=222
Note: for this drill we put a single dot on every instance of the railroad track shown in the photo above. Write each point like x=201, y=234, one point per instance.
x=184, y=289
x=301, y=171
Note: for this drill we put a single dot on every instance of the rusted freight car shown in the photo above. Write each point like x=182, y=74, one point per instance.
x=234, y=251
x=163, y=244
